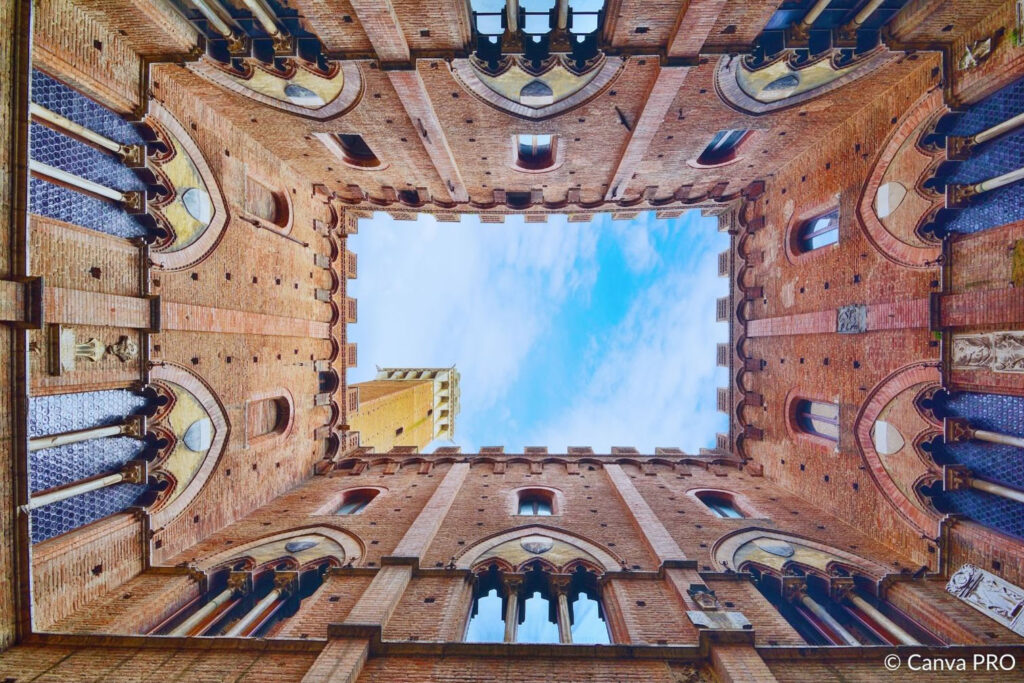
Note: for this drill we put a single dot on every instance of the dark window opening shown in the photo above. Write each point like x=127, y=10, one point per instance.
x=723, y=147
x=357, y=152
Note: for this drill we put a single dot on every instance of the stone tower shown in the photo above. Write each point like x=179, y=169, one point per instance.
x=407, y=407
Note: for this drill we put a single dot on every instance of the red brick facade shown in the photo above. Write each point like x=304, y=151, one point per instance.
x=258, y=310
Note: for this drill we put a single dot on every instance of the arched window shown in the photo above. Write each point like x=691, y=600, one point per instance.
x=836, y=610
x=818, y=232
x=535, y=152
x=356, y=500
x=720, y=503
x=723, y=147
x=817, y=418
x=536, y=502
x=265, y=204
x=356, y=151
x=531, y=607
x=243, y=603
x=266, y=416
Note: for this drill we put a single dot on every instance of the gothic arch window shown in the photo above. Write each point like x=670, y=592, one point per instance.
x=242, y=602
x=722, y=504
x=535, y=502
x=356, y=500
x=723, y=148
x=267, y=416
x=816, y=418
x=265, y=204
x=537, y=605
x=817, y=232
x=839, y=608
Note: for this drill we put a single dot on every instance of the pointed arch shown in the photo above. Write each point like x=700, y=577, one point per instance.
x=343, y=546
x=601, y=556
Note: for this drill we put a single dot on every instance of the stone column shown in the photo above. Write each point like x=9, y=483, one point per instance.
x=794, y=589
x=957, y=429
x=134, y=472
x=284, y=584
x=962, y=147
x=958, y=477
x=560, y=589
x=134, y=426
x=239, y=583
x=511, y=584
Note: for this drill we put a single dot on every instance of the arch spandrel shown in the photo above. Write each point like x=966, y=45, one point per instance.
x=775, y=549
x=329, y=543
x=514, y=548
x=188, y=469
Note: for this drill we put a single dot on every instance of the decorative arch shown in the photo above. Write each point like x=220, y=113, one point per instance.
x=476, y=553
x=913, y=512
x=787, y=81
x=738, y=547
x=915, y=253
x=569, y=88
x=191, y=188
x=342, y=546
x=185, y=469
x=340, y=88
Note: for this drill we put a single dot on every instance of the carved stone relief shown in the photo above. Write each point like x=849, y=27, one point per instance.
x=996, y=351
x=852, y=319
x=987, y=593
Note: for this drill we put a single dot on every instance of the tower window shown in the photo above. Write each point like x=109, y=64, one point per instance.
x=817, y=418
x=535, y=502
x=723, y=147
x=356, y=500
x=542, y=607
x=262, y=202
x=266, y=416
x=819, y=231
x=722, y=504
x=356, y=151
x=535, y=152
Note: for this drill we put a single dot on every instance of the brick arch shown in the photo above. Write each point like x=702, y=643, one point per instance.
x=469, y=557
x=211, y=236
x=879, y=397
x=886, y=243
x=352, y=546
x=222, y=428
x=729, y=91
x=465, y=74
x=350, y=95
x=723, y=551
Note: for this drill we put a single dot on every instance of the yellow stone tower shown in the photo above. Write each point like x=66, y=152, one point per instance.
x=407, y=407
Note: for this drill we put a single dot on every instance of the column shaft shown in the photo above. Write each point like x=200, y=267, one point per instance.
x=996, y=437
x=259, y=608
x=997, y=489
x=883, y=621
x=564, y=627
x=185, y=627
x=77, y=436
x=822, y=614
x=77, y=489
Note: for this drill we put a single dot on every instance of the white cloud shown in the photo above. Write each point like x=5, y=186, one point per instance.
x=634, y=238
x=654, y=384
x=471, y=294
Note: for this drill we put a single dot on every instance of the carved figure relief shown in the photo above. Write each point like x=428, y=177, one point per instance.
x=996, y=351
x=987, y=593
x=852, y=319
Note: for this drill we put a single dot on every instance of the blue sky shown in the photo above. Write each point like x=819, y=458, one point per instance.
x=565, y=334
